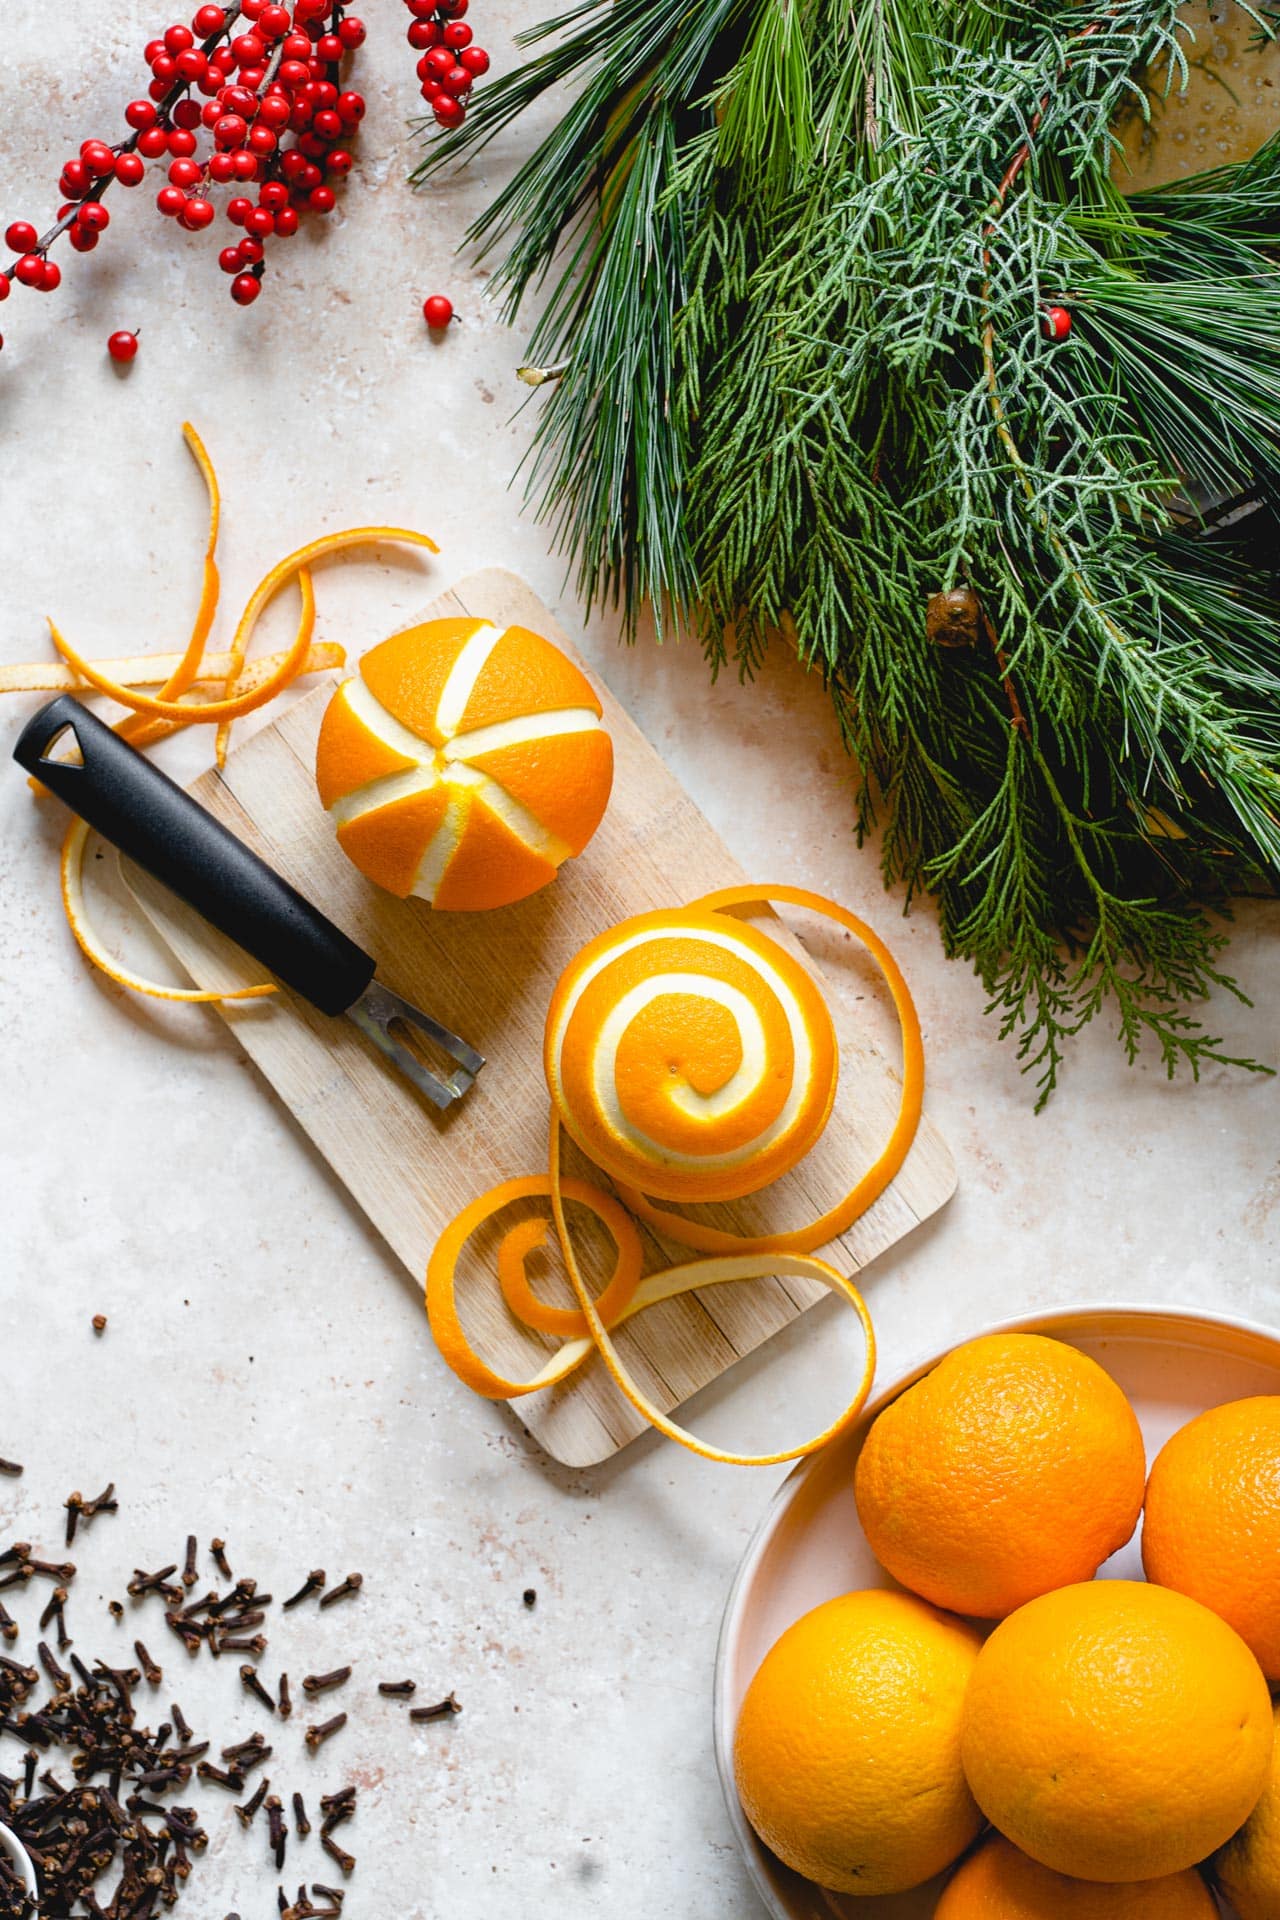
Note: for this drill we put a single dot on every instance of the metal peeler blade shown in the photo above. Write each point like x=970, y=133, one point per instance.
x=374, y=1013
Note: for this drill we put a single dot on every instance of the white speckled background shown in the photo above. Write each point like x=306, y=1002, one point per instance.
x=267, y=1372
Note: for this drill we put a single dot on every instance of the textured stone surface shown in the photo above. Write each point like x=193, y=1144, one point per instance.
x=267, y=1373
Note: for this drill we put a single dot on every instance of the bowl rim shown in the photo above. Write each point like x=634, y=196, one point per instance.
x=21, y=1859
x=1114, y=1317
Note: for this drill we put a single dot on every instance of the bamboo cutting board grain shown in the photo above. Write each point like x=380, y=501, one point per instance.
x=489, y=977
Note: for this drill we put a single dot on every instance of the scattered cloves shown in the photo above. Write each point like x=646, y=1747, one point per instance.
x=8, y=1625
x=398, y=1689
x=443, y=1709
x=11, y=1468
x=189, y=1574
x=218, y=1550
x=245, y=1814
x=302, y=1826
x=344, y=1860
x=326, y=1682
x=312, y=1584
x=154, y=1674
x=285, y=1707
x=352, y=1584
x=250, y=1682
x=277, y=1833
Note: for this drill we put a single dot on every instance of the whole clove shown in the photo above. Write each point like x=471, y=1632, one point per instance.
x=335, y=1808
x=8, y=1625
x=326, y=1682
x=339, y=1854
x=59, y=1676
x=230, y=1778
x=11, y=1469
x=301, y=1824
x=277, y=1834
x=312, y=1584
x=218, y=1550
x=285, y=1705
x=443, y=1709
x=351, y=1585
x=250, y=1682
x=245, y=1814
x=154, y=1674
x=398, y=1689
x=61, y=1572
x=143, y=1584
x=317, y=1735
x=189, y=1574
x=52, y=1612
x=243, y=1643
x=81, y=1511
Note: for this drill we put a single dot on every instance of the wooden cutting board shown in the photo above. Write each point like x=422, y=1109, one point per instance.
x=489, y=977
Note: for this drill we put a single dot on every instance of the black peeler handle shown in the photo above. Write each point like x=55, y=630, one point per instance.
x=148, y=816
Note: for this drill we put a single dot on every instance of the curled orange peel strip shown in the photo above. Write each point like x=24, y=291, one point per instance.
x=188, y=666
x=270, y=585
x=730, y=1257
x=91, y=945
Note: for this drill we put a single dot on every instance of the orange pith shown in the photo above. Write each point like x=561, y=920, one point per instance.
x=503, y=725
x=999, y=1883
x=1212, y=1519
x=1016, y=1465
x=1116, y=1731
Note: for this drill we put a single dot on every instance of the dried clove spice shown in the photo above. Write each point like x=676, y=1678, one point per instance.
x=277, y=1833
x=11, y=1468
x=336, y=1853
x=326, y=1682
x=302, y=1826
x=351, y=1585
x=250, y=1682
x=317, y=1735
x=398, y=1689
x=285, y=1706
x=312, y=1584
x=443, y=1709
x=218, y=1551
x=153, y=1673
x=245, y=1814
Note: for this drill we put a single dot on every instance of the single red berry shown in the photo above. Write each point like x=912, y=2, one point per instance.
x=187, y=115
x=122, y=346
x=230, y=130
x=140, y=114
x=97, y=156
x=1056, y=323
x=178, y=38
x=153, y=51
x=340, y=161
x=198, y=214
x=83, y=239
x=229, y=259
x=185, y=173
x=50, y=276
x=260, y=220
x=20, y=236
x=159, y=89
x=438, y=62
x=191, y=65
x=171, y=201
x=94, y=216
x=209, y=20
x=273, y=22
x=292, y=163
x=75, y=179
x=451, y=9
x=296, y=46
x=328, y=48
x=321, y=199
x=250, y=252
x=245, y=289
x=262, y=140
x=323, y=93
x=421, y=9
x=248, y=49
x=239, y=100
x=245, y=164
x=328, y=124
x=351, y=32
x=222, y=58
x=448, y=111
x=182, y=143
x=437, y=312
x=29, y=271
x=287, y=223
x=274, y=111
x=456, y=81
x=222, y=168
x=458, y=35
x=153, y=143
x=312, y=146
x=431, y=90
x=474, y=59
x=309, y=177
x=424, y=33
x=293, y=73
x=273, y=194
x=351, y=106
x=162, y=68
x=252, y=9
x=4, y=286
x=129, y=169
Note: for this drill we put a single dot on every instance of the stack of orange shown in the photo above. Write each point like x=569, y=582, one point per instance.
x=1117, y=1736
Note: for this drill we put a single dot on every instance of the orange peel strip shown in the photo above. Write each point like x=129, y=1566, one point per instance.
x=322, y=657
x=270, y=585
x=153, y=669
x=190, y=711
x=91, y=945
x=839, y=1218
x=188, y=666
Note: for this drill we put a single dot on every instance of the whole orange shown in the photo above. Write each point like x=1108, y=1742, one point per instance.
x=464, y=763
x=1116, y=1731
x=1248, y=1867
x=999, y=1883
x=1212, y=1519
x=847, y=1753
x=1014, y=1467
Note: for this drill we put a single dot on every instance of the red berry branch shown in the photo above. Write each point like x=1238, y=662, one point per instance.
x=274, y=125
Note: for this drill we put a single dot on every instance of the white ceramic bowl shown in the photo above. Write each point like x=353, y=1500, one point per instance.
x=18, y=1854
x=1172, y=1363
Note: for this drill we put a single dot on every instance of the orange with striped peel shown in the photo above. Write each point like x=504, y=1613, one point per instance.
x=464, y=763
x=704, y=932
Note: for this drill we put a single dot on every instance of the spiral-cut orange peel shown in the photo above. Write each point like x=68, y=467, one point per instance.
x=731, y=1257
x=151, y=717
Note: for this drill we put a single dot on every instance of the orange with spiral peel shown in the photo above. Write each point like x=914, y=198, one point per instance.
x=999, y=1883
x=464, y=763
x=688, y=1053
x=1212, y=1519
x=847, y=1750
x=1014, y=1467
x=1116, y=1731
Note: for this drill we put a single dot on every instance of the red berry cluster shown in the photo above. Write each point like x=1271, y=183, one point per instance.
x=451, y=63
x=274, y=119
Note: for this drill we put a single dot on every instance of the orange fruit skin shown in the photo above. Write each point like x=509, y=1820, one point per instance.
x=682, y=1040
x=999, y=1883
x=847, y=1752
x=1248, y=1868
x=1212, y=1519
x=1116, y=1731
x=465, y=776
x=1015, y=1466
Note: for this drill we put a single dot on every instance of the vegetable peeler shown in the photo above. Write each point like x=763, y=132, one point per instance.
x=150, y=818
